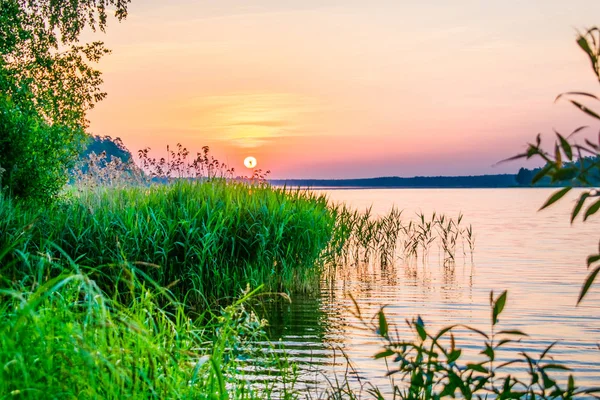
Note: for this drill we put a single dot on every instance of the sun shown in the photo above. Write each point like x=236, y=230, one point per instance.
x=250, y=162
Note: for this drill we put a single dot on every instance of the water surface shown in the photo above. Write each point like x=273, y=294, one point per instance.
x=539, y=257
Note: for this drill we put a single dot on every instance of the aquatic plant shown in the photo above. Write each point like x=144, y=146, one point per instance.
x=63, y=337
x=360, y=237
x=433, y=365
x=213, y=237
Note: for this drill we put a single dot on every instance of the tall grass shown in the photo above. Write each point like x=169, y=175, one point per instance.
x=207, y=239
x=63, y=337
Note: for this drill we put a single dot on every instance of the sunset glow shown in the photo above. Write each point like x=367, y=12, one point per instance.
x=331, y=90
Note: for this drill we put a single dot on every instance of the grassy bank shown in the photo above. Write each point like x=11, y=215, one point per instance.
x=65, y=338
x=204, y=240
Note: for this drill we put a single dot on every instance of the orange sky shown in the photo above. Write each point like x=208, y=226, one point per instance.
x=335, y=89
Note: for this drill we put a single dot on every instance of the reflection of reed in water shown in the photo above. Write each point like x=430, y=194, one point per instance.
x=372, y=259
x=307, y=330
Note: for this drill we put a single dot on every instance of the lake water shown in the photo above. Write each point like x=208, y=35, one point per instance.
x=537, y=256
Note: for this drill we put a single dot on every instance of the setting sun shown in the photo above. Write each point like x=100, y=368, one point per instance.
x=250, y=162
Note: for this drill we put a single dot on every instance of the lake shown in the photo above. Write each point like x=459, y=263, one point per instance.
x=537, y=256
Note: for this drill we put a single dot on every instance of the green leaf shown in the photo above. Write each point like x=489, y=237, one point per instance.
x=548, y=382
x=579, y=205
x=576, y=94
x=421, y=331
x=555, y=197
x=513, y=332
x=454, y=355
x=557, y=156
x=383, y=354
x=477, y=367
x=511, y=362
x=547, y=350
x=476, y=331
x=443, y=331
x=556, y=366
x=588, y=282
x=502, y=343
x=577, y=130
x=449, y=390
x=517, y=157
x=586, y=110
x=383, y=325
x=498, y=307
x=489, y=351
x=592, y=210
x=585, y=46
x=592, y=259
x=565, y=174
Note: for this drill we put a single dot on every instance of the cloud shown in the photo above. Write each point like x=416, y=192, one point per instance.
x=261, y=123
x=252, y=119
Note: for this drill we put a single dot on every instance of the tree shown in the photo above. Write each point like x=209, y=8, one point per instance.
x=113, y=148
x=574, y=164
x=524, y=177
x=47, y=87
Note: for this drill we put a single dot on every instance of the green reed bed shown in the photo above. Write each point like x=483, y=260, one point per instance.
x=65, y=338
x=205, y=239
x=98, y=298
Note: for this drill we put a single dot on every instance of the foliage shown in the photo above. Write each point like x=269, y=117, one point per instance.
x=63, y=337
x=433, y=366
x=47, y=86
x=33, y=152
x=210, y=237
x=575, y=164
x=525, y=177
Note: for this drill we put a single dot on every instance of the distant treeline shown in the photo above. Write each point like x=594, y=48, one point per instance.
x=476, y=181
x=526, y=176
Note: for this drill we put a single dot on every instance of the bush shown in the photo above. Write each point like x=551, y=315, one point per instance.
x=34, y=155
x=47, y=85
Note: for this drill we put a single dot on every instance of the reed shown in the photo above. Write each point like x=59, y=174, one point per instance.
x=211, y=238
x=63, y=337
x=365, y=238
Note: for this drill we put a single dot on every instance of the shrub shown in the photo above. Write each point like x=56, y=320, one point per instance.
x=47, y=85
x=34, y=154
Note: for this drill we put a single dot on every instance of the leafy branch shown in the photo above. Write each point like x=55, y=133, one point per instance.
x=574, y=164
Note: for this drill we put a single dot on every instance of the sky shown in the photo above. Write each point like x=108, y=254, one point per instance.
x=343, y=89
